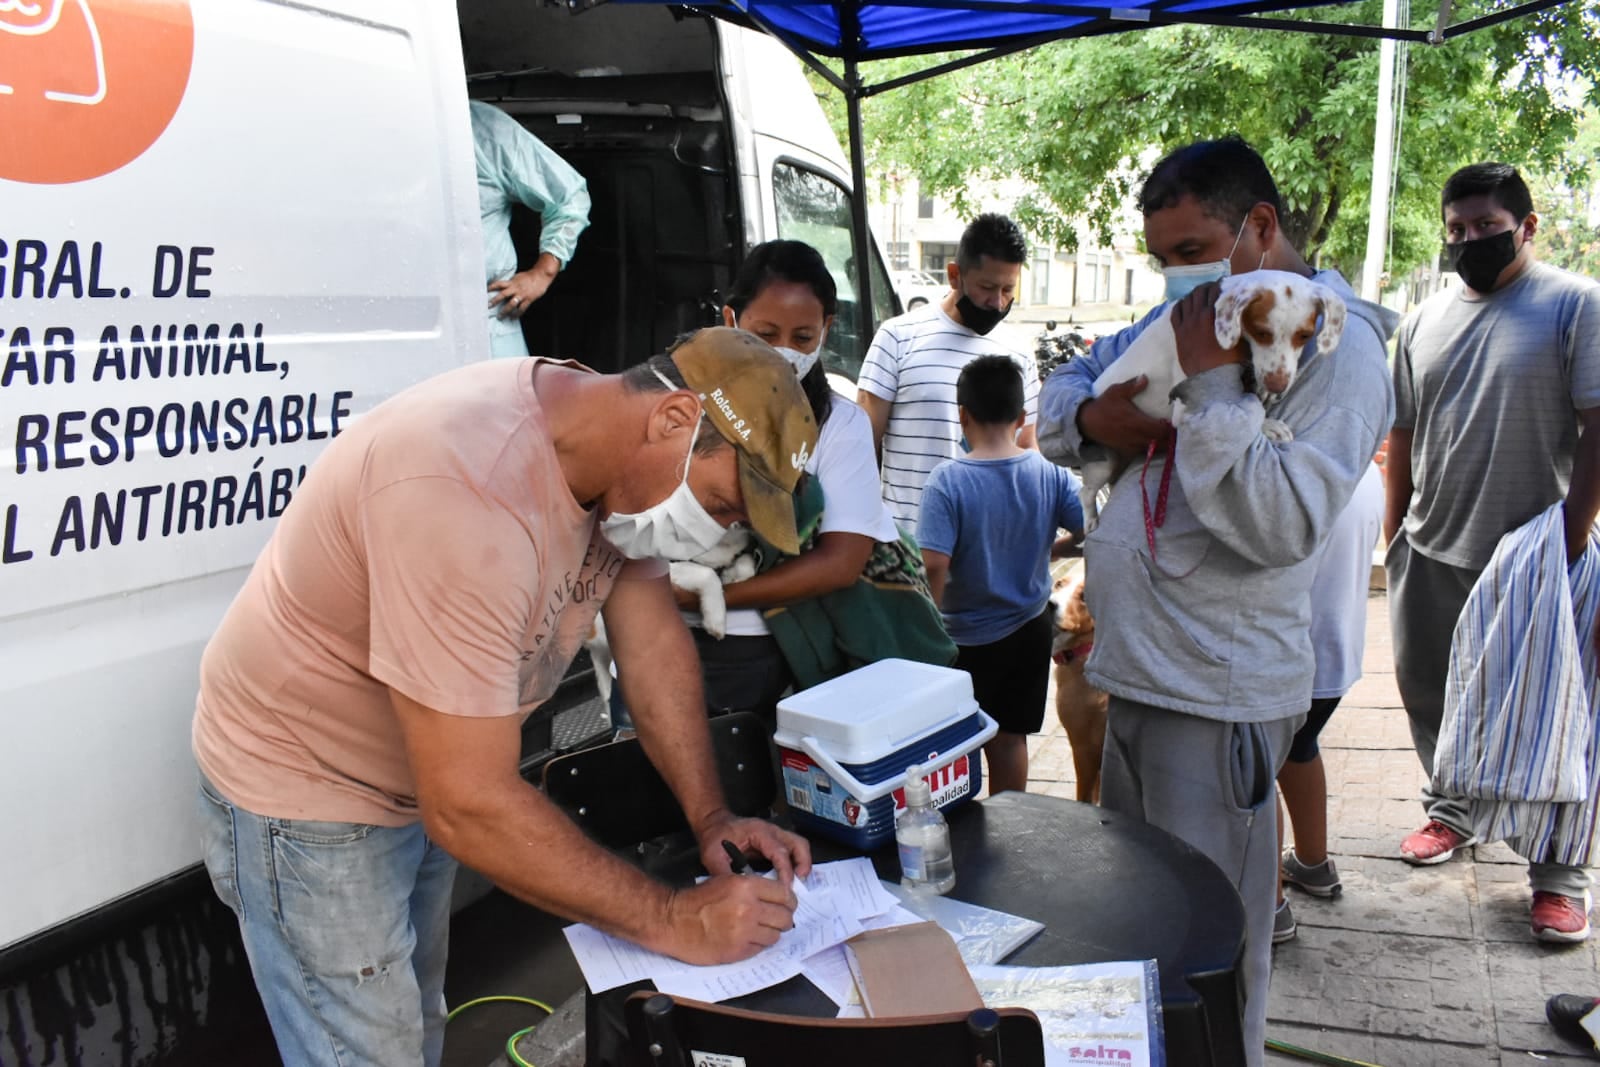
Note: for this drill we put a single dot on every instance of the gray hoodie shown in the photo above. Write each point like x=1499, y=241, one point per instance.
x=1218, y=624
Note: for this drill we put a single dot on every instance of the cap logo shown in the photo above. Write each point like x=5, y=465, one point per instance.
x=800, y=458
x=735, y=423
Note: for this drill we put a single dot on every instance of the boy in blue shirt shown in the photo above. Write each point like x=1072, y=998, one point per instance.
x=988, y=530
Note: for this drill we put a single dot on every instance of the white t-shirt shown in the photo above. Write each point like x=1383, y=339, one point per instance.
x=845, y=464
x=1339, y=590
x=913, y=363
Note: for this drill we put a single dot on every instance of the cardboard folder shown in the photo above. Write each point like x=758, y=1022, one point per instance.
x=910, y=970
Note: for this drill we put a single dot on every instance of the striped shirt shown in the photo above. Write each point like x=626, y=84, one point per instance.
x=913, y=363
x=1519, y=736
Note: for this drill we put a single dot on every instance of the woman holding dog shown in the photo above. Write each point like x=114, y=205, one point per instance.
x=785, y=295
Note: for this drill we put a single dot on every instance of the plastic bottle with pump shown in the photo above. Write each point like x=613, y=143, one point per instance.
x=923, y=837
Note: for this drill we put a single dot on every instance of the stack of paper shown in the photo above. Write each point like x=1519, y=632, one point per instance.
x=836, y=902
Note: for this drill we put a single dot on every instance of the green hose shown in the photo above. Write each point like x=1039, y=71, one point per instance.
x=1314, y=1056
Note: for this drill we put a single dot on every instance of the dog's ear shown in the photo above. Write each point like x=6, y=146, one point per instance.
x=1230, y=313
x=1334, y=314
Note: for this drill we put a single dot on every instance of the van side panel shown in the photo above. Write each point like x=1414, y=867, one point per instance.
x=179, y=338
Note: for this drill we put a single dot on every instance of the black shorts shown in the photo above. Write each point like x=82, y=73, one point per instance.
x=1011, y=676
x=1304, y=747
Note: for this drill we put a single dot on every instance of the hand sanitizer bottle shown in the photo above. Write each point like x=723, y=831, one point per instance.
x=924, y=840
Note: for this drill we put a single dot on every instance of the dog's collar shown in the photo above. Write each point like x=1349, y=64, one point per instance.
x=1067, y=655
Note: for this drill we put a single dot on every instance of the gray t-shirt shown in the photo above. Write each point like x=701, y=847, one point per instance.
x=1490, y=387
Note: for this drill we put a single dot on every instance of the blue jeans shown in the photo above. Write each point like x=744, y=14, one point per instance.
x=346, y=926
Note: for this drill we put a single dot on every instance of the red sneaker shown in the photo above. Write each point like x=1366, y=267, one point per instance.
x=1560, y=918
x=1434, y=843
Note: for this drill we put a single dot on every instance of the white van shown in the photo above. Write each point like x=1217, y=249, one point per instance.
x=231, y=229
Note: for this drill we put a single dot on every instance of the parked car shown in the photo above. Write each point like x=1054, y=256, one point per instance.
x=918, y=287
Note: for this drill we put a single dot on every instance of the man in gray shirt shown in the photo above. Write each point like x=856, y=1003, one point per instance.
x=1204, y=641
x=1497, y=390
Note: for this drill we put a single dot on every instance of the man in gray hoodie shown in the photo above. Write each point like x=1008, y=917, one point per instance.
x=1204, y=644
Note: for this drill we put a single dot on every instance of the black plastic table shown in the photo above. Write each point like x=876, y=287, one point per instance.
x=1107, y=887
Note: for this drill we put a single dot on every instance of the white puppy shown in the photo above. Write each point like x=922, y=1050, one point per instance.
x=729, y=560
x=1274, y=311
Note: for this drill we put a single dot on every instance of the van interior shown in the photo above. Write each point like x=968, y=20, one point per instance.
x=635, y=102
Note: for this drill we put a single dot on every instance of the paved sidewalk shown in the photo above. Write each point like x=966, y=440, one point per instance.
x=1410, y=967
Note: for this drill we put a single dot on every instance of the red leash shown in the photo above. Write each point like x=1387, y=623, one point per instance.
x=1154, y=521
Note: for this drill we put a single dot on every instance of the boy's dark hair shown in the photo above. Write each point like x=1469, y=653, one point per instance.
x=1226, y=176
x=992, y=235
x=1500, y=181
x=990, y=390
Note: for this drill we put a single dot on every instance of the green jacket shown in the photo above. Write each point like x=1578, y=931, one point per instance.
x=887, y=613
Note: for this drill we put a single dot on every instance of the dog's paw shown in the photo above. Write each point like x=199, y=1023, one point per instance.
x=739, y=570
x=1277, y=432
x=714, y=617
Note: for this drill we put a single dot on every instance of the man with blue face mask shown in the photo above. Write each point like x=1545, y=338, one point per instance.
x=1497, y=383
x=1207, y=652
x=359, y=722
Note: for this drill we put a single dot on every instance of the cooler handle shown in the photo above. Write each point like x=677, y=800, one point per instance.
x=864, y=793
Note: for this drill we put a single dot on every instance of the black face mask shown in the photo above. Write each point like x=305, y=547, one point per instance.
x=1480, y=262
x=980, y=320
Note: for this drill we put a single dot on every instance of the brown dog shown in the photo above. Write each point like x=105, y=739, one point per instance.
x=1080, y=706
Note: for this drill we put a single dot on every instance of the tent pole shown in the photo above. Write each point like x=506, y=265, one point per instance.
x=1382, y=161
x=862, y=240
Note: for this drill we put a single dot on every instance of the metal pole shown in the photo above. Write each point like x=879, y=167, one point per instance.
x=1382, y=161
x=861, y=239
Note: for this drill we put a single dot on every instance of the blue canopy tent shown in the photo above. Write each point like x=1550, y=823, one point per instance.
x=855, y=32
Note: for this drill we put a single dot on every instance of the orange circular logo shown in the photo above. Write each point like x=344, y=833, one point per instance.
x=87, y=85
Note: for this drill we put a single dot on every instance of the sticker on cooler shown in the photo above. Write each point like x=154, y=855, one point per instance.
x=950, y=782
x=809, y=788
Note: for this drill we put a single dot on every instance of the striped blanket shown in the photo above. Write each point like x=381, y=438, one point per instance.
x=1519, y=736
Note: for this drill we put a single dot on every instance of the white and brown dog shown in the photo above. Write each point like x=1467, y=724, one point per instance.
x=1080, y=706
x=1275, y=312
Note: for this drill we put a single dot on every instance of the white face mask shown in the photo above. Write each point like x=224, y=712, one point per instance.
x=1183, y=280
x=678, y=528
x=802, y=362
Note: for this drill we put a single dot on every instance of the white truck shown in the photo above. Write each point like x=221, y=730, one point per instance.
x=231, y=228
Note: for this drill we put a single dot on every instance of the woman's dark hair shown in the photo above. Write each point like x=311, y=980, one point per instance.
x=797, y=262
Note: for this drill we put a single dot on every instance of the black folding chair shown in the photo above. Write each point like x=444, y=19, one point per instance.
x=618, y=797
x=665, y=1031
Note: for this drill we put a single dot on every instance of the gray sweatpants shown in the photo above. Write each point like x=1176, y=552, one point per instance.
x=1209, y=783
x=1425, y=600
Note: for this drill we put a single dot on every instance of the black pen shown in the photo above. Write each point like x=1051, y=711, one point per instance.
x=735, y=857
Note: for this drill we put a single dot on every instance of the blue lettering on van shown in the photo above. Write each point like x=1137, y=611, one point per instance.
x=23, y=363
x=114, y=517
x=68, y=439
x=189, y=351
x=30, y=268
x=174, y=271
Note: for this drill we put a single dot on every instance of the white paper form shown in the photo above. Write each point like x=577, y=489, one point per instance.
x=832, y=903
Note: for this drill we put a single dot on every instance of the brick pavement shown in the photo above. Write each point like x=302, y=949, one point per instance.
x=1410, y=967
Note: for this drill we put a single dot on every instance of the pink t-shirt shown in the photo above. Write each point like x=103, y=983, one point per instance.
x=435, y=549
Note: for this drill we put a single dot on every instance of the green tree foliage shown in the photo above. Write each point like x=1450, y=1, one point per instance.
x=1569, y=208
x=1082, y=120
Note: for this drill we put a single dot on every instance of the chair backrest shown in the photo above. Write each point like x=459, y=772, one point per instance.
x=617, y=796
x=665, y=1031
